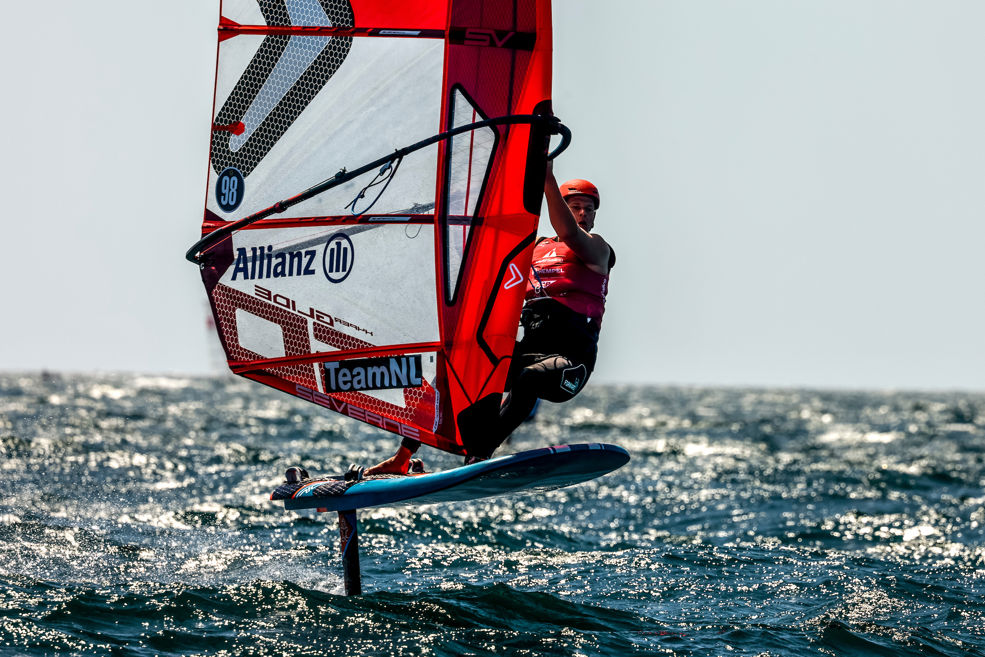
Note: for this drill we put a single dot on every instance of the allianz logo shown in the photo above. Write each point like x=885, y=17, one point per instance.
x=262, y=262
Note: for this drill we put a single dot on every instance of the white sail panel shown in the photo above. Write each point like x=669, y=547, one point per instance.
x=373, y=283
x=359, y=115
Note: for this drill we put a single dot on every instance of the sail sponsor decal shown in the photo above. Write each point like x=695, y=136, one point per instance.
x=373, y=373
x=338, y=258
x=312, y=313
x=356, y=413
x=484, y=36
x=265, y=262
x=262, y=262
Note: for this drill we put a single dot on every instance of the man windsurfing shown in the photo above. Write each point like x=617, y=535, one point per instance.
x=561, y=317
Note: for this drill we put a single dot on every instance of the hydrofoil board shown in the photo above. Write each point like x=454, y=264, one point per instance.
x=535, y=470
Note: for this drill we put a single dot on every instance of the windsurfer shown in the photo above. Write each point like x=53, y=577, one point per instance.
x=561, y=318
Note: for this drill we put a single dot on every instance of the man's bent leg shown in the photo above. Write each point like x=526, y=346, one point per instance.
x=486, y=424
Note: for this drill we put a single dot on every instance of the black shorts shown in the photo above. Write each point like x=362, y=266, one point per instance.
x=557, y=354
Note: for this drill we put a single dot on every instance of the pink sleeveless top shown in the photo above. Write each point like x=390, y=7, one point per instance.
x=556, y=272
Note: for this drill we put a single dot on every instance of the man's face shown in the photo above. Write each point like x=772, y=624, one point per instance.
x=583, y=209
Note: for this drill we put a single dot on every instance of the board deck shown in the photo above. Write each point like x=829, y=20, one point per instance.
x=541, y=469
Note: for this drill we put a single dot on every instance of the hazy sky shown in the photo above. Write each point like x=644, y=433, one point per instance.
x=794, y=188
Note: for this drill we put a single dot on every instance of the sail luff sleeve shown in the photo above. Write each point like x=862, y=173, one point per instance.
x=502, y=65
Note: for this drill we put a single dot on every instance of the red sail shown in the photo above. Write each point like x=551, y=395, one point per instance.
x=393, y=298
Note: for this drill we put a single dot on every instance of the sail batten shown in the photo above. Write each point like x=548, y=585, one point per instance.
x=328, y=356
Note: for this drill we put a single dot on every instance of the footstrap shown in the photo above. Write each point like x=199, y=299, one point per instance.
x=354, y=473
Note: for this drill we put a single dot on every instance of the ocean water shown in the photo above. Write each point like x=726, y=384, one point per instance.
x=135, y=520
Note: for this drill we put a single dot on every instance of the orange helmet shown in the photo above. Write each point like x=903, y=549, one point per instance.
x=579, y=187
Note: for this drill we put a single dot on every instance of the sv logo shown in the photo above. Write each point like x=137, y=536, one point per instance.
x=478, y=36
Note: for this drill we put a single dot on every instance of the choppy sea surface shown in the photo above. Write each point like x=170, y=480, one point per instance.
x=135, y=520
